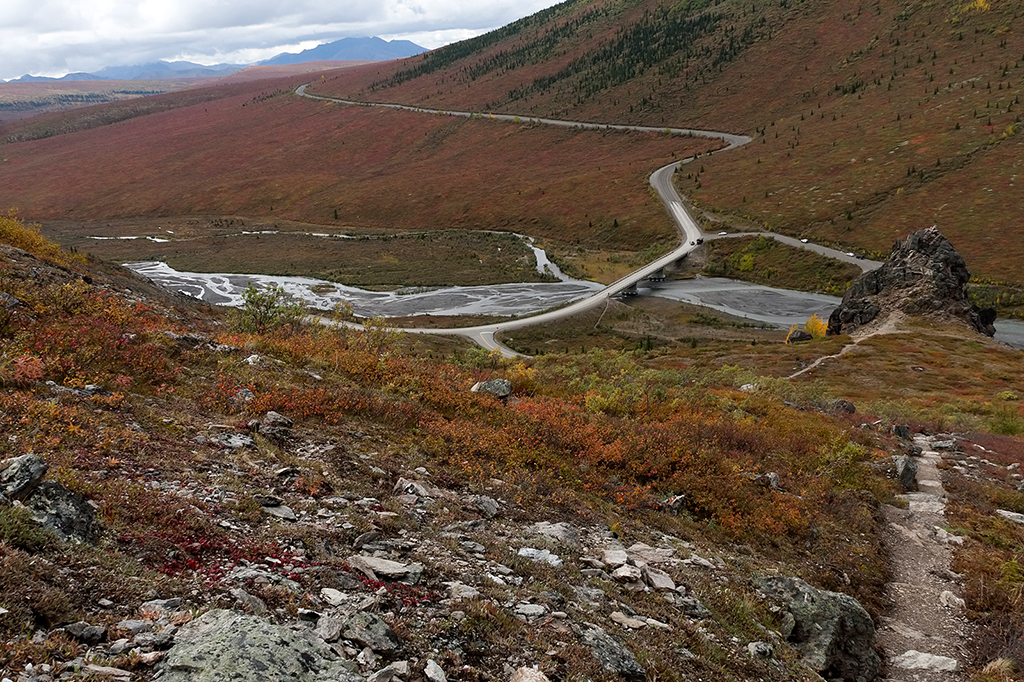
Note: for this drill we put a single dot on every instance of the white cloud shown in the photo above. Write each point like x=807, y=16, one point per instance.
x=54, y=37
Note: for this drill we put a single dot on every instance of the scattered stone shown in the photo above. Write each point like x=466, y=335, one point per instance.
x=282, y=512
x=692, y=607
x=924, y=275
x=21, y=476
x=901, y=431
x=541, y=556
x=407, y=487
x=651, y=555
x=249, y=603
x=371, y=631
x=487, y=506
x=161, y=607
x=950, y=600
x=627, y=574
x=1012, y=516
x=906, y=471
x=625, y=621
x=614, y=557
x=85, y=633
x=106, y=671
x=223, y=645
x=832, y=630
x=332, y=596
x=457, y=590
x=528, y=675
x=613, y=656
x=917, y=660
x=844, y=406
x=234, y=441
x=530, y=611
x=64, y=512
x=376, y=568
x=761, y=649
x=432, y=671
x=134, y=626
x=944, y=444
x=501, y=388
x=365, y=538
x=329, y=629
x=769, y=480
x=658, y=579
x=562, y=532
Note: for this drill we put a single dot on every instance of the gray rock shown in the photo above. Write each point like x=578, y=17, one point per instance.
x=1011, y=516
x=134, y=626
x=842, y=405
x=561, y=531
x=249, y=603
x=906, y=471
x=85, y=633
x=376, y=568
x=21, y=476
x=901, y=431
x=761, y=649
x=370, y=630
x=799, y=336
x=161, y=606
x=282, y=511
x=224, y=645
x=64, y=512
x=924, y=275
x=272, y=418
x=541, y=556
x=234, y=441
x=487, y=506
x=832, y=630
x=433, y=672
x=917, y=660
x=329, y=629
x=692, y=607
x=613, y=656
x=501, y=388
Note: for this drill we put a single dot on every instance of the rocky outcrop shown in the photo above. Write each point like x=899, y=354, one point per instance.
x=50, y=504
x=924, y=275
x=222, y=645
x=832, y=630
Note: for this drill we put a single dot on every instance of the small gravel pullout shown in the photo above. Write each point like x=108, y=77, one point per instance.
x=923, y=635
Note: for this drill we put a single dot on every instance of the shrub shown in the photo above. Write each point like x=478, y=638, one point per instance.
x=15, y=232
x=268, y=309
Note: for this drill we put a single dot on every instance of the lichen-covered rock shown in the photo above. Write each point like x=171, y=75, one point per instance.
x=501, y=388
x=906, y=471
x=613, y=656
x=223, y=645
x=20, y=476
x=64, y=512
x=924, y=275
x=832, y=630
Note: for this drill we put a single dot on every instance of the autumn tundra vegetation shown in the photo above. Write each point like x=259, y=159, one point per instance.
x=248, y=459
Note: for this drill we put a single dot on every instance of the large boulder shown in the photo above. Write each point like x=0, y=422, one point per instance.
x=66, y=513
x=924, y=275
x=832, y=630
x=224, y=645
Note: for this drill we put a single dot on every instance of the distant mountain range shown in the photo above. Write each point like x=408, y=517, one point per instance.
x=346, y=49
x=371, y=49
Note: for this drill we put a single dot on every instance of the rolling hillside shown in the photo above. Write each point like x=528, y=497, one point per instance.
x=874, y=118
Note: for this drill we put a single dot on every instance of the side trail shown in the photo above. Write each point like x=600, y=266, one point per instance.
x=923, y=636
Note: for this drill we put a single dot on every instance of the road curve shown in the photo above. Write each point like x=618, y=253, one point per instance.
x=661, y=182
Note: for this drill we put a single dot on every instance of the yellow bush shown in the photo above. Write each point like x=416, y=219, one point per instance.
x=816, y=326
x=15, y=232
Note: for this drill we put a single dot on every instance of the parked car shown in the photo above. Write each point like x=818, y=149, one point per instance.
x=700, y=240
x=804, y=240
x=722, y=234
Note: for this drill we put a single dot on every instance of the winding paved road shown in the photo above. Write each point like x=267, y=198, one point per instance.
x=661, y=182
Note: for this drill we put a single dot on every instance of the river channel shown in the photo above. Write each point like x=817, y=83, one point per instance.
x=781, y=308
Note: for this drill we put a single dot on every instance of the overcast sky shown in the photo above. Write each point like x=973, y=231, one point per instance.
x=55, y=37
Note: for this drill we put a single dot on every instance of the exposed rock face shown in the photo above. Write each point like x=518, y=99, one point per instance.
x=21, y=476
x=924, y=275
x=64, y=512
x=224, y=645
x=831, y=629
